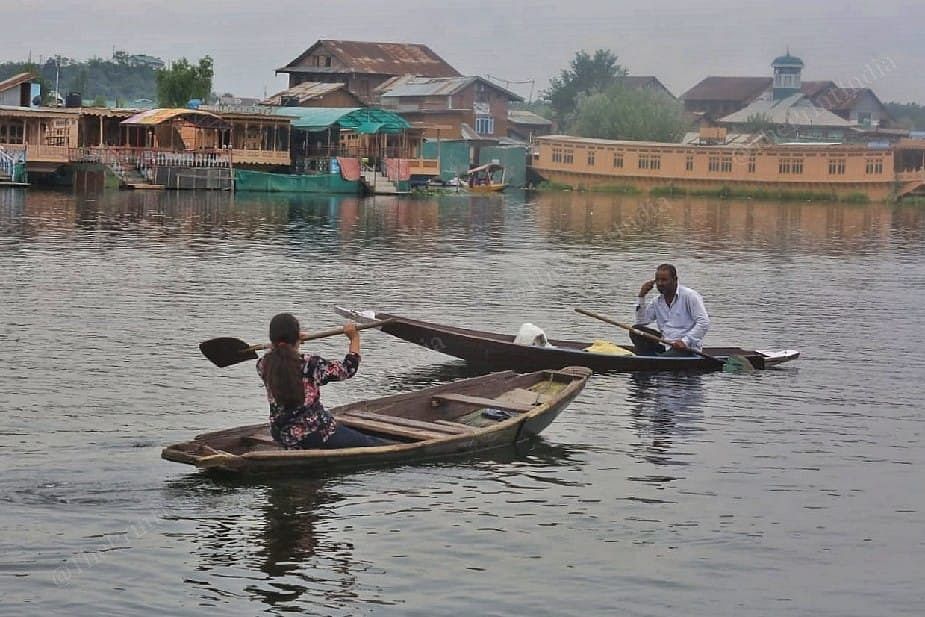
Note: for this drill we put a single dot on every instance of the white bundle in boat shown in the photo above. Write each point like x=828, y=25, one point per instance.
x=531, y=335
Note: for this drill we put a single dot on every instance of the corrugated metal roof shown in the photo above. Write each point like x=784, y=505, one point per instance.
x=602, y=142
x=15, y=80
x=645, y=81
x=152, y=117
x=378, y=58
x=715, y=88
x=305, y=91
x=416, y=85
x=794, y=110
x=834, y=98
x=520, y=116
x=813, y=88
x=693, y=138
x=15, y=110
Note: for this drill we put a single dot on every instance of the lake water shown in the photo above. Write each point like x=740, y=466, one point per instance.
x=795, y=491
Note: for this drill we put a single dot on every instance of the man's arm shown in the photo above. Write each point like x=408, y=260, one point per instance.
x=645, y=311
x=694, y=337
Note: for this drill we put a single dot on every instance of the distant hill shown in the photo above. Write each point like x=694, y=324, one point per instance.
x=122, y=79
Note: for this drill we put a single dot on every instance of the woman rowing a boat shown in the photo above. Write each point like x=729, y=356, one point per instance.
x=293, y=381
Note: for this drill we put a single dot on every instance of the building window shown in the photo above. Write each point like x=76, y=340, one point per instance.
x=485, y=125
x=752, y=164
x=590, y=157
x=720, y=164
x=650, y=161
x=837, y=167
x=689, y=163
x=790, y=166
x=874, y=166
x=12, y=133
x=568, y=157
x=556, y=155
x=617, y=159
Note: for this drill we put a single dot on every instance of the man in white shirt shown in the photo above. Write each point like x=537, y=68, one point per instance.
x=678, y=311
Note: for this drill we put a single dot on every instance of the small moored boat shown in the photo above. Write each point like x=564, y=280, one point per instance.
x=471, y=415
x=489, y=178
x=499, y=351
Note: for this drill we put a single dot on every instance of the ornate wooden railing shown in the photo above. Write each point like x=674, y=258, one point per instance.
x=145, y=160
x=915, y=175
x=10, y=158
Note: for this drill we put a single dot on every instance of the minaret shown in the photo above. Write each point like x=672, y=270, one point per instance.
x=787, y=70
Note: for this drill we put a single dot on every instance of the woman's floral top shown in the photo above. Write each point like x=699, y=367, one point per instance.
x=290, y=426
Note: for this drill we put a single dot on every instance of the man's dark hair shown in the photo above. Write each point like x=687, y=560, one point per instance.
x=671, y=270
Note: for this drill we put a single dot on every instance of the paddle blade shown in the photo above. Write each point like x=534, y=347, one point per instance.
x=738, y=364
x=226, y=351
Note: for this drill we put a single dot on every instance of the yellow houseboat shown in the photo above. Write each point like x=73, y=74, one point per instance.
x=879, y=171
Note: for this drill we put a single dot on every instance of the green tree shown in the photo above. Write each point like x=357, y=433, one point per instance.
x=183, y=81
x=636, y=114
x=585, y=74
x=96, y=77
x=907, y=115
x=758, y=123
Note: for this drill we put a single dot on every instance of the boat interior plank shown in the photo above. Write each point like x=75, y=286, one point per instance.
x=440, y=427
x=479, y=401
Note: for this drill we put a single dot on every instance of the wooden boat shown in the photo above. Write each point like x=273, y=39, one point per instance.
x=499, y=351
x=471, y=415
x=485, y=179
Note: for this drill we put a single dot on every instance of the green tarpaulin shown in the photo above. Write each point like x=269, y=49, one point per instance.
x=368, y=120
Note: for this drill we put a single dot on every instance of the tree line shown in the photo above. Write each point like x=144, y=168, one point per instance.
x=590, y=98
x=121, y=80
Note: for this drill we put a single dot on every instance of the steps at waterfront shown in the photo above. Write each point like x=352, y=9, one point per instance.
x=377, y=184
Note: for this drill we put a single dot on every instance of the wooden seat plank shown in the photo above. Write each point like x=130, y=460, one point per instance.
x=482, y=402
x=416, y=424
x=467, y=428
x=388, y=428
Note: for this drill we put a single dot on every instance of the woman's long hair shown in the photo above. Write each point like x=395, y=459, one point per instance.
x=283, y=364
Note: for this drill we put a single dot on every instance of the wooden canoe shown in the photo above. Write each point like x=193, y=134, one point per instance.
x=498, y=351
x=450, y=419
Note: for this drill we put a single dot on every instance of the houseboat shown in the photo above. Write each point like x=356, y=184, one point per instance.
x=876, y=170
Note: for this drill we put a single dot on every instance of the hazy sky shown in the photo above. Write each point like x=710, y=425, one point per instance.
x=679, y=41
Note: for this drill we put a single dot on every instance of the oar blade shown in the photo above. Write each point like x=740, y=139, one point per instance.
x=226, y=351
x=738, y=364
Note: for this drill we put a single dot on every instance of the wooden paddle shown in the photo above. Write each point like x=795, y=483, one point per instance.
x=225, y=351
x=733, y=362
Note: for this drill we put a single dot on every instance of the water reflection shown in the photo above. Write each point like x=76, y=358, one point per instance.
x=717, y=224
x=282, y=534
x=665, y=408
x=407, y=376
x=442, y=223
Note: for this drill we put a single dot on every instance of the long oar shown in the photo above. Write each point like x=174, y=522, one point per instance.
x=732, y=363
x=226, y=351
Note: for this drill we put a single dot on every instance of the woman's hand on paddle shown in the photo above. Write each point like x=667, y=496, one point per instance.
x=646, y=288
x=679, y=345
x=350, y=331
